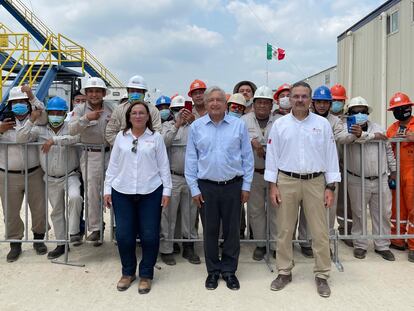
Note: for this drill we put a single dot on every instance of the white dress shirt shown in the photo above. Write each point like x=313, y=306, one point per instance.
x=141, y=172
x=303, y=147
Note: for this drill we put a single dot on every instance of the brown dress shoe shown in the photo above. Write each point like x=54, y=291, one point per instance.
x=281, y=281
x=322, y=287
x=144, y=286
x=125, y=282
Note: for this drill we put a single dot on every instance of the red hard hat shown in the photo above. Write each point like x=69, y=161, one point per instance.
x=338, y=92
x=399, y=99
x=195, y=85
x=283, y=87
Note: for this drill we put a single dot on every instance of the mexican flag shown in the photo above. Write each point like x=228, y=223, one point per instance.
x=274, y=52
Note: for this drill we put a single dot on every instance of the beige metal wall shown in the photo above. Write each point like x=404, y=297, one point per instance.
x=320, y=78
x=367, y=53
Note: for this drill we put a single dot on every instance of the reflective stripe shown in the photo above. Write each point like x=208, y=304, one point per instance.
x=342, y=218
x=401, y=221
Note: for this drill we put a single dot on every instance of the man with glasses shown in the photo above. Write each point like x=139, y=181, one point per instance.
x=219, y=172
x=302, y=168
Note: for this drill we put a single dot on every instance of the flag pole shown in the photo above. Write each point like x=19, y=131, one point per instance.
x=267, y=72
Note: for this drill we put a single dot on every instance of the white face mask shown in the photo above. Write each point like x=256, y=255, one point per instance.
x=284, y=103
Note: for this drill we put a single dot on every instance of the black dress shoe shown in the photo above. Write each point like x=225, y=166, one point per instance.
x=231, y=281
x=398, y=247
x=212, y=281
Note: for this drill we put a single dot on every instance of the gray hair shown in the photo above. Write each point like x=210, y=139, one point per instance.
x=212, y=89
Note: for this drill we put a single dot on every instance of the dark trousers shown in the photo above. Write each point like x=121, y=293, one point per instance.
x=222, y=205
x=138, y=214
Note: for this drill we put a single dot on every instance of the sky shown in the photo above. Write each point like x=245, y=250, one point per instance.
x=172, y=42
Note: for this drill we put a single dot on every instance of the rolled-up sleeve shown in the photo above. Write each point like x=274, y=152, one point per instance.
x=247, y=159
x=191, y=164
x=164, y=166
x=271, y=168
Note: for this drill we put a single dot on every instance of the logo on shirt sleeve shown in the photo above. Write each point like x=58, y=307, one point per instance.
x=269, y=141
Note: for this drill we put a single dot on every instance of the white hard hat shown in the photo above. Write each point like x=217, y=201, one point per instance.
x=137, y=82
x=263, y=92
x=16, y=93
x=237, y=98
x=358, y=101
x=94, y=82
x=178, y=102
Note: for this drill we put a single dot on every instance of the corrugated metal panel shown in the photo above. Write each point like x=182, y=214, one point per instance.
x=366, y=78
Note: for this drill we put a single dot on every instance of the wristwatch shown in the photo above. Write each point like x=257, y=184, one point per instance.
x=330, y=187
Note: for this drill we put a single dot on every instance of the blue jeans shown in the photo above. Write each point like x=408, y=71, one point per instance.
x=138, y=214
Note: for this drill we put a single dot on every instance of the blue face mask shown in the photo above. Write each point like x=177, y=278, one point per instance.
x=135, y=96
x=337, y=106
x=234, y=114
x=361, y=118
x=20, y=109
x=165, y=114
x=56, y=121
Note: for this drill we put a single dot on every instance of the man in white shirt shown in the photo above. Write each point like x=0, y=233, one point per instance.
x=302, y=166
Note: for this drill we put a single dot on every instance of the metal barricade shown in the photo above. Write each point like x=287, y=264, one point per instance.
x=365, y=235
x=27, y=148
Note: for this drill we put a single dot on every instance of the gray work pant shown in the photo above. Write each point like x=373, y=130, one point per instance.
x=371, y=200
x=181, y=204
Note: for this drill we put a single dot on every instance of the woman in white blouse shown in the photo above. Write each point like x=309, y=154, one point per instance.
x=138, y=185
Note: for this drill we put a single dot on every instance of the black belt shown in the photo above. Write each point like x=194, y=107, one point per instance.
x=107, y=149
x=226, y=182
x=301, y=176
x=259, y=170
x=60, y=176
x=369, y=178
x=30, y=170
x=176, y=173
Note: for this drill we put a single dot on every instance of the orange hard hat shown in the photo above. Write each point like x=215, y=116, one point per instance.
x=399, y=99
x=338, y=92
x=283, y=87
x=195, y=85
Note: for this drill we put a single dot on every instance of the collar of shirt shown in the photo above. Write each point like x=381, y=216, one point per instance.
x=146, y=132
x=309, y=116
x=207, y=119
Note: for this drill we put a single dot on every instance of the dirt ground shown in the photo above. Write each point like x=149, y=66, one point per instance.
x=34, y=283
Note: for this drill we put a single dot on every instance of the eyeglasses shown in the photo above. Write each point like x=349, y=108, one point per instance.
x=299, y=97
x=134, y=145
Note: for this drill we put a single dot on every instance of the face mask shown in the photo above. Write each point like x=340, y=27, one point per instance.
x=165, y=114
x=402, y=114
x=20, y=109
x=361, y=118
x=337, y=106
x=284, y=103
x=56, y=121
x=234, y=114
x=135, y=96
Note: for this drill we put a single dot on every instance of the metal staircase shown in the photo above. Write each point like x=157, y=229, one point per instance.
x=53, y=61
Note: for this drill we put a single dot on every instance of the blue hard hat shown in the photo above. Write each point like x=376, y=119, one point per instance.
x=322, y=93
x=163, y=100
x=57, y=103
